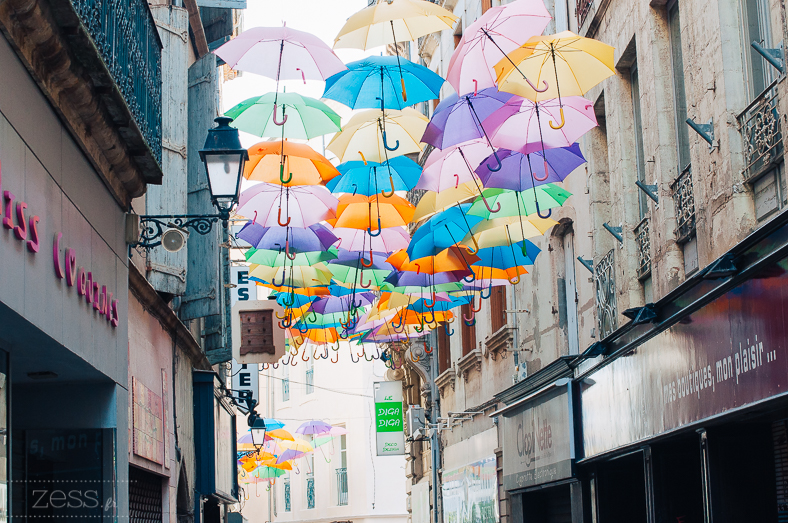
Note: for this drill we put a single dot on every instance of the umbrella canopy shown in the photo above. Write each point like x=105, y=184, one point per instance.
x=266, y=472
x=294, y=206
x=443, y=230
x=281, y=434
x=362, y=137
x=452, y=166
x=288, y=455
x=397, y=174
x=316, y=237
x=432, y=202
x=527, y=126
x=521, y=172
x=272, y=162
x=454, y=259
x=485, y=42
x=562, y=64
x=515, y=203
x=458, y=119
x=277, y=258
x=304, y=117
x=504, y=257
x=281, y=53
x=368, y=81
x=358, y=276
x=372, y=212
x=292, y=276
x=389, y=240
x=299, y=445
x=313, y=427
x=503, y=231
x=273, y=424
x=393, y=21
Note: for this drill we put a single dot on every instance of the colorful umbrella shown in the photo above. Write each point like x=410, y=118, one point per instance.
x=389, y=240
x=356, y=212
x=316, y=237
x=294, y=206
x=287, y=163
x=515, y=203
x=266, y=472
x=313, y=427
x=518, y=172
x=448, y=168
x=277, y=258
x=304, y=117
x=370, y=135
x=397, y=174
x=503, y=231
x=292, y=276
x=280, y=434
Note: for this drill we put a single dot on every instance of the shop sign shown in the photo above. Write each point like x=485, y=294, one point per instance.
x=420, y=502
x=147, y=423
x=246, y=378
x=390, y=429
x=537, y=440
x=727, y=355
x=470, y=493
x=25, y=228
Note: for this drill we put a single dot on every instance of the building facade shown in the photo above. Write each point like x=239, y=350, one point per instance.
x=628, y=355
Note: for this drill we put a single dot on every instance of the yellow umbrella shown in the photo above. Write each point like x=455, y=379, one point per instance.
x=434, y=202
x=299, y=445
x=503, y=231
x=390, y=21
x=297, y=276
x=281, y=434
x=565, y=63
x=362, y=138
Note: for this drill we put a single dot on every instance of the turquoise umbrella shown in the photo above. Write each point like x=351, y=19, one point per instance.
x=285, y=115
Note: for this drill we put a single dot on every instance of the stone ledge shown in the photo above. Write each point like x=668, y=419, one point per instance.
x=447, y=377
x=500, y=342
x=471, y=360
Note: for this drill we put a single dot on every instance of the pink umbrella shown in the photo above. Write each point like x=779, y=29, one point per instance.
x=485, y=42
x=301, y=206
x=389, y=240
x=523, y=125
x=281, y=53
x=449, y=168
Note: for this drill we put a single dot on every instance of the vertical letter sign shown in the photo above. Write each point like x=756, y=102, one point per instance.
x=390, y=430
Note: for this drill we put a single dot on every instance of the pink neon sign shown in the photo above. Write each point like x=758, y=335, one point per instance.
x=26, y=230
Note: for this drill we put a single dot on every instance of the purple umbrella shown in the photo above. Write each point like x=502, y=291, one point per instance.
x=521, y=172
x=354, y=259
x=340, y=304
x=314, y=238
x=389, y=240
x=313, y=427
x=459, y=119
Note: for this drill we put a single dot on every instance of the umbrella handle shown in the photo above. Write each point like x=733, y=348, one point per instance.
x=371, y=260
x=446, y=330
x=280, y=317
x=363, y=159
x=433, y=317
x=425, y=348
x=390, y=193
x=279, y=218
x=546, y=172
x=433, y=302
x=303, y=77
x=287, y=251
x=361, y=282
x=404, y=92
x=471, y=323
x=373, y=358
x=304, y=354
x=355, y=189
x=475, y=87
x=473, y=316
x=411, y=358
x=337, y=355
x=369, y=230
x=474, y=309
x=283, y=325
x=489, y=293
x=419, y=329
x=304, y=330
x=472, y=277
x=354, y=360
x=487, y=204
x=456, y=180
x=418, y=268
x=278, y=284
x=450, y=318
x=401, y=321
x=344, y=335
x=539, y=212
x=386, y=145
x=282, y=177
x=498, y=167
x=255, y=218
x=475, y=245
x=546, y=85
x=288, y=304
x=312, y=312
x=284, y=117
x=563, y=121
x=400, y=329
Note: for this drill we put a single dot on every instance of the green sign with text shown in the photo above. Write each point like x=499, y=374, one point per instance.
x=389, y=418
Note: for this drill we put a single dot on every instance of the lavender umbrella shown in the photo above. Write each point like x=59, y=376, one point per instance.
x=390, y=239
x=341, y=304
x=354, y=259
x=521, y=172
x=298, y=206
x=314, y=238
x=313, y=427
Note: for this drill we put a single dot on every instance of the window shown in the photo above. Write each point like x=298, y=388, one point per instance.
x=486, y=4
x=341, y=472
x=755, y=18
x=638, y=128
x=286, y=383
x=497, y=308
x=286, y=488
x=468, y=332
x=679, y=93
x=561, y=16
x=444, y=348
x=571, y=293
x=310, y=375
x=310, y=476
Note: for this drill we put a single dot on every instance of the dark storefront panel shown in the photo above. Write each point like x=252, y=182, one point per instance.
x=144, y=497
x=678, y=480
x=780, y=441
x=621, y=494
x=549, y=505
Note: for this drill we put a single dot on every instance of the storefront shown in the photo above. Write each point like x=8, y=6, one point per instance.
x=685, y=420
x=63, y=327
x=539, y=455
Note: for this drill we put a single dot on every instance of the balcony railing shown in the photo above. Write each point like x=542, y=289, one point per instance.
x=643, y=238
x=287, y=496
x=286, y=389
x=605, y=287
x=582, y=9
x=684, y=200
x=310, y=381
x=310, y=491
x=342, y=494
x=127, y=40
x=761, y=131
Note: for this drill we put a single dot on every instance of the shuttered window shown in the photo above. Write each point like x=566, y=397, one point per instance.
x=468, y=333
x=498, y=308
x=444, y=350
x=486, y=4
x=144, y=497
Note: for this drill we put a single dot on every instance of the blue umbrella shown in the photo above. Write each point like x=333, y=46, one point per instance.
x=442, y=231
x=398, y=174
x=380, y=79
x=439, y=305
x=508, y=256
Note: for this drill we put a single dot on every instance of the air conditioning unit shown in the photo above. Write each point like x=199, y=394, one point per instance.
x=415, y=417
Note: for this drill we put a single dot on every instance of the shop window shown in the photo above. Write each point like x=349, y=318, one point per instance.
x=621, y=490
x=678, y=481
x=570, y=293
x=468, y=331
x=144, y=497
x=444, y=348
x=497, y=308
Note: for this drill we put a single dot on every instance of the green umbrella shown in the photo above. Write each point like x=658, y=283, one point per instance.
x=417, y=289
x=514, y=203
x=317, y=442
x=350, y=275
x=271, y=258
x=266, y=472
x=304, y=117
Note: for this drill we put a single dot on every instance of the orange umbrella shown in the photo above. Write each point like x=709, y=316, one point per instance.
x=320, y=336
x=452, y=259
x=297, y=163
x=356, y=211
x=306, y=291
x=281, y=434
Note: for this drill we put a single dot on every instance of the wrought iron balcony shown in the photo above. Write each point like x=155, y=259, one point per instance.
x=287, y=496
x=310, y=381
x=310, y=491
x=582, y=9
x=286, y=389
x=342, y=493
x=684, y=200
x=126, y=37
x=643, y=238
x=605, y=287
x=761, y=131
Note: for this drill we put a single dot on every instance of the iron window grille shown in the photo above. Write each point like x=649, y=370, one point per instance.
x=310, y=381
x=582, y=9
x=342, y=493
x=287, y=495
x=605, y=286
x=761, y=131
x=684, y=200
x=285, y=389
x=643, y=239
x=310, y=491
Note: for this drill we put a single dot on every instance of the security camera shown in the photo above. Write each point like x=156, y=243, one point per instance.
x=174, y=239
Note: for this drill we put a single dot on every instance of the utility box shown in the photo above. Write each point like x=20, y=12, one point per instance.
x=256, y=336
x=415, y=417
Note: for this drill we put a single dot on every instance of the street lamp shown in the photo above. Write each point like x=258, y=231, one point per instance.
x=224, y=160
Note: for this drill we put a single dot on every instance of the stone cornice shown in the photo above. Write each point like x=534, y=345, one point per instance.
x=470, y=361
x=499, y=342
x=446, y=378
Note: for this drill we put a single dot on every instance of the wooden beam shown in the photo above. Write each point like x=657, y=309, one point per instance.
x=198, y=32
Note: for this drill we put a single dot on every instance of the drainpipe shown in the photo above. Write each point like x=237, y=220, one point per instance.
x=435, y=438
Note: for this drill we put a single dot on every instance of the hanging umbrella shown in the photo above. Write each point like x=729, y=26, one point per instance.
x=281, y=435
x=289, y=454
x=389, y=240
x=357, y=212
x=291, y=276
x=486, y=41
x=513, y=203
x=503, y=257
x=306, y=118
x=366, y=82
x=432, y=203
x=562, y=64
x=518, y=173
x=370, y=135
x=502, y=231
x=448, y=168
x=271, y=258
x=313, y=427
x=298, y=445
x=358, y=276
x=273, y=424
x=288, y=163
x=266, y=472
x=294, y=206
x=281, y=53
x=398, y=174
x=442, y=231
x=361, y=259
x=316, y=237
x=453, y=259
